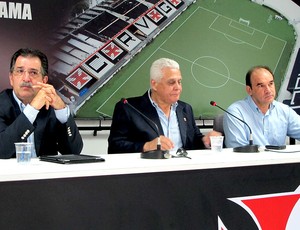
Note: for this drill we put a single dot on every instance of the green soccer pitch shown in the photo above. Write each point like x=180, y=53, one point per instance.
x=215, y=42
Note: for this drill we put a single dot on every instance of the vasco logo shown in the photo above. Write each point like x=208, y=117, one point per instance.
x=271, y=211
x=15, y=10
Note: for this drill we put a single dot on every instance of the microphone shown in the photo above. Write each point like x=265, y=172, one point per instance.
x=245, y=149
x=152, y=154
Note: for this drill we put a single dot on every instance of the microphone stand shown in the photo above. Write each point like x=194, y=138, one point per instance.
x=151, y=154
x=157, y=153
x=251, y=148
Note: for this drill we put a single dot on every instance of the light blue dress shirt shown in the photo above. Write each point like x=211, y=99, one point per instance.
x=169, y=124
x=271, y=128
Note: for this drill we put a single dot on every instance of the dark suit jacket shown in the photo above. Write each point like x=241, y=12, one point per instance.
x=130, y=130
x=50, y=135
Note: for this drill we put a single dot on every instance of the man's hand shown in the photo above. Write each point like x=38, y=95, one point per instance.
x=206, y=139
x=47, y=96
x=165, y=142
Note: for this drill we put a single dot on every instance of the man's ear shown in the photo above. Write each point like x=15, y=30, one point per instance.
x=11, y=80
x=45, y=79
x=248, y=90
x=153, y=84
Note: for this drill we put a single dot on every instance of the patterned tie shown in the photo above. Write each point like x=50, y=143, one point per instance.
x=30, y=139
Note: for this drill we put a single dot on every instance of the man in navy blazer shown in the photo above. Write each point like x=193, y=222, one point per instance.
x=32, y=110
x=167, y=117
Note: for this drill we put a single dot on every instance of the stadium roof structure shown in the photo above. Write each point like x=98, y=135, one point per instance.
x=88, y=50
x=92, y=47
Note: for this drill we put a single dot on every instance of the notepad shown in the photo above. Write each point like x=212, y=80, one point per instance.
x=72, y=159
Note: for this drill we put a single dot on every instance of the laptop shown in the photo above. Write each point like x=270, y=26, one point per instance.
x=71, y=159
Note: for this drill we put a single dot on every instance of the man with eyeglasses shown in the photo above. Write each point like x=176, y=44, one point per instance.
x=32, y=111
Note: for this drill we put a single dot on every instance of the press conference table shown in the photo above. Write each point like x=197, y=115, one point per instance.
x=127, y=192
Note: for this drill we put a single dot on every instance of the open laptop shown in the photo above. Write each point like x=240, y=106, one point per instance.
x=71, y=159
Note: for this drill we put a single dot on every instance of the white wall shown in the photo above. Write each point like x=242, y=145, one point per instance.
x=94, y=145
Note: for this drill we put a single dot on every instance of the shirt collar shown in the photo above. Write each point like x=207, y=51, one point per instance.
x=254, y=106
x=18, y=100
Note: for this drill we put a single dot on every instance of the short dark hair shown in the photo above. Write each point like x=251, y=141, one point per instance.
x=250, y=71
x=28, y=52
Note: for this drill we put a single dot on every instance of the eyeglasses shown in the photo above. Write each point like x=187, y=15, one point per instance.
x=32, y=73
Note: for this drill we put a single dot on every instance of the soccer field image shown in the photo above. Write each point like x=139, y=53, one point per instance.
x=215, y=43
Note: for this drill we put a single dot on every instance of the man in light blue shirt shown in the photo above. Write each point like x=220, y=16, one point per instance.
x=270, y=121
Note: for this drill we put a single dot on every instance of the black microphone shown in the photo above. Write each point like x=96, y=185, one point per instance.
x=245, y=149
x=152, y=154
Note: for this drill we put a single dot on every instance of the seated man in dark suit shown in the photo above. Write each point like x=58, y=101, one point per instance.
x=130, y=132
x=32, y=110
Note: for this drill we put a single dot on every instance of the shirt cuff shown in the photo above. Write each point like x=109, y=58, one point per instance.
x=30, y=112
x=63, y=114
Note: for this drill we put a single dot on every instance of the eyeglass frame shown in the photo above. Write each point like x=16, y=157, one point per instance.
x=33, y=73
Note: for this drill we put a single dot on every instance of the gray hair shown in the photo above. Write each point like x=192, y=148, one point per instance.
x=158, y=65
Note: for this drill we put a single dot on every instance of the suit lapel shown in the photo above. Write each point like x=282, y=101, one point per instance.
x=148, y=109
x=154, y=117
x=14, y=103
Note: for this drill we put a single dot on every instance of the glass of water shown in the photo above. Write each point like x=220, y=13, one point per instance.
x=23, y=152
x=216, y=143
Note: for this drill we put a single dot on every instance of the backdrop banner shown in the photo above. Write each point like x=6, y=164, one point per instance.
x=86, y=42
x=253, y=197
x=29, y=24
